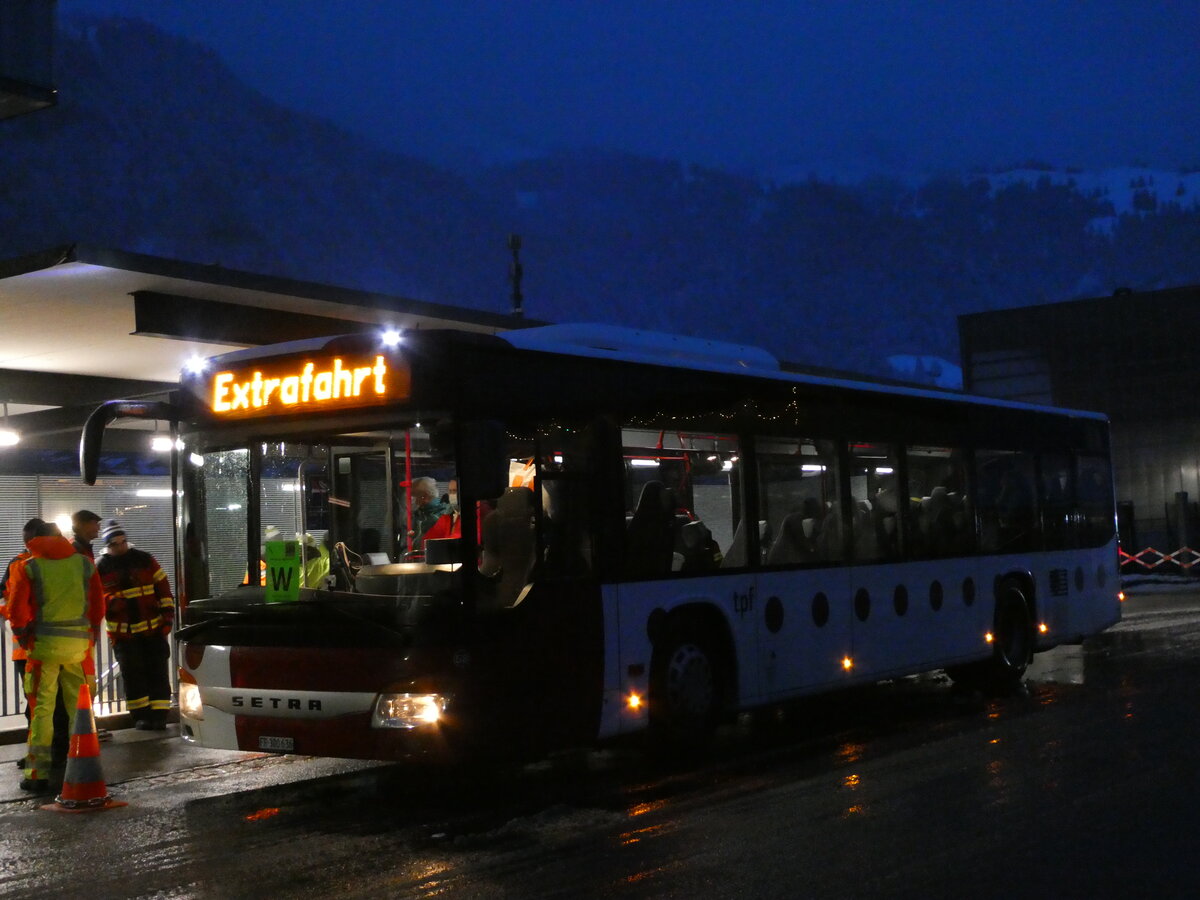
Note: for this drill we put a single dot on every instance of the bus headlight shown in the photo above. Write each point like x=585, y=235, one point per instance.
x=407, y=710
x=189, y=701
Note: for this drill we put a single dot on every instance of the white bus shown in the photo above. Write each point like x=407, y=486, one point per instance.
x=647, y=533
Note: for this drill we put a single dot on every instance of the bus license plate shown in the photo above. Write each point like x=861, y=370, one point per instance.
x=278, y=744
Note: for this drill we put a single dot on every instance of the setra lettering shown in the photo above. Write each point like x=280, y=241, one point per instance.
x=255, y=702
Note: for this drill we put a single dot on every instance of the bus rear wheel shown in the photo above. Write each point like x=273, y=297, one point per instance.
x=1012, y=646
x=685, y=690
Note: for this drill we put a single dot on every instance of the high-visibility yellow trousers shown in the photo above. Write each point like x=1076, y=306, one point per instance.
x=44, y=671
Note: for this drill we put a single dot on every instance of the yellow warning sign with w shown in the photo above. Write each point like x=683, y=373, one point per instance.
x=283, y=571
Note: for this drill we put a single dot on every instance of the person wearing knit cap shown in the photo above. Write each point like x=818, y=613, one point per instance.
x=140, y=612
x=110, y=530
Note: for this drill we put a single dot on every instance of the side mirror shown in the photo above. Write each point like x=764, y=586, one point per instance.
x=482, y=463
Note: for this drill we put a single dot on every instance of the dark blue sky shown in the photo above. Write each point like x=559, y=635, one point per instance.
x=838, y=86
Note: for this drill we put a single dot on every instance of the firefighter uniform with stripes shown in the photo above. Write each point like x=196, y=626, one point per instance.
x=55, y=607
x=140, y=612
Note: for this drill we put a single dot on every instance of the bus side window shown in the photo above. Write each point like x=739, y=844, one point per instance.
x=682, y=501
x=797, y=496
x=1057, y=490
x=939, y=521
x=1095, y=500
x=1007, y=508
x=874, y=492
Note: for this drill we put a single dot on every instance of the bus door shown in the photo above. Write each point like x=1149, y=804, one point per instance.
x=682, y=555
x=537, y=597
x=805, y=632
x=294, y=504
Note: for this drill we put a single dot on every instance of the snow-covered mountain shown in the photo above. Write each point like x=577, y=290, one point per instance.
x=156, y=147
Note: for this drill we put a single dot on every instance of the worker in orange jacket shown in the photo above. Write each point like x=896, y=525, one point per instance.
x=62, y=737
x=140, y=612
x=55, y=607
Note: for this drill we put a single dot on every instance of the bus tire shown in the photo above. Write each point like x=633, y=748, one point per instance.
x=1012, y=646
x=1012, y=649
x=685, y=689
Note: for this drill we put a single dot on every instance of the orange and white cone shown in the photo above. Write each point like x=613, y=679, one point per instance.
x=83, y=787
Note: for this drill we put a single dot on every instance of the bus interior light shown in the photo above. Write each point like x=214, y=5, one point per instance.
x=407, y=710
x=644, y=463
x=634, y=701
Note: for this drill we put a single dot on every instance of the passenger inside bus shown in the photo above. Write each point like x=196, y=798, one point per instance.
x=798, y=535
x=509, y=545
x=649, y=535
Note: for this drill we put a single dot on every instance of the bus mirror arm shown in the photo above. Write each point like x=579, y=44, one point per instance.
x=92, y=438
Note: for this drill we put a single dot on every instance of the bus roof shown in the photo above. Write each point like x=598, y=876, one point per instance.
x=623, y=344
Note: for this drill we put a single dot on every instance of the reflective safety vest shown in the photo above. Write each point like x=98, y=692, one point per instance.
x=60, y=590
x=55, y=601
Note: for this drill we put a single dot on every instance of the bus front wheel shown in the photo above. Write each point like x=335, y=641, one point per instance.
x=685, y=689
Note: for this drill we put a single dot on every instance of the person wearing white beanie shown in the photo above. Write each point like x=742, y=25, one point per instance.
x=140, y=612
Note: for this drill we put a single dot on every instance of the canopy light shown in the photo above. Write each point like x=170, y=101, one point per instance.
x=195, y=365
x=391, y=338
x=162, y=443
x=153, y=492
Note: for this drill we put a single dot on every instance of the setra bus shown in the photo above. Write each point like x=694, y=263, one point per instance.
x=648, y=533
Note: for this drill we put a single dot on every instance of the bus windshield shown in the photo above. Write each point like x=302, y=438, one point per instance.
x=353, y=502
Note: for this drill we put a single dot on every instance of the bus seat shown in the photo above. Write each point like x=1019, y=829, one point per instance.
x=735, y=557
x=510, y=543
x=694, y=545
x=792, y=546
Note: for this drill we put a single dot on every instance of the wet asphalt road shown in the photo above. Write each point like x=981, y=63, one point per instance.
x=1084, y=785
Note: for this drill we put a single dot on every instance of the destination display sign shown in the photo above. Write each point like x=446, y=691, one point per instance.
x=307, y=385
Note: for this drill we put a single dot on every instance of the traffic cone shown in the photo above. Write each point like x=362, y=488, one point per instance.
x=83, y=787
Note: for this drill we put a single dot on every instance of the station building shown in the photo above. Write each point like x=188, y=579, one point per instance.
x=1132, y=355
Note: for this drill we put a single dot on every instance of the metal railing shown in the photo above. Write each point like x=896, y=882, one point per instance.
x=110, y=694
